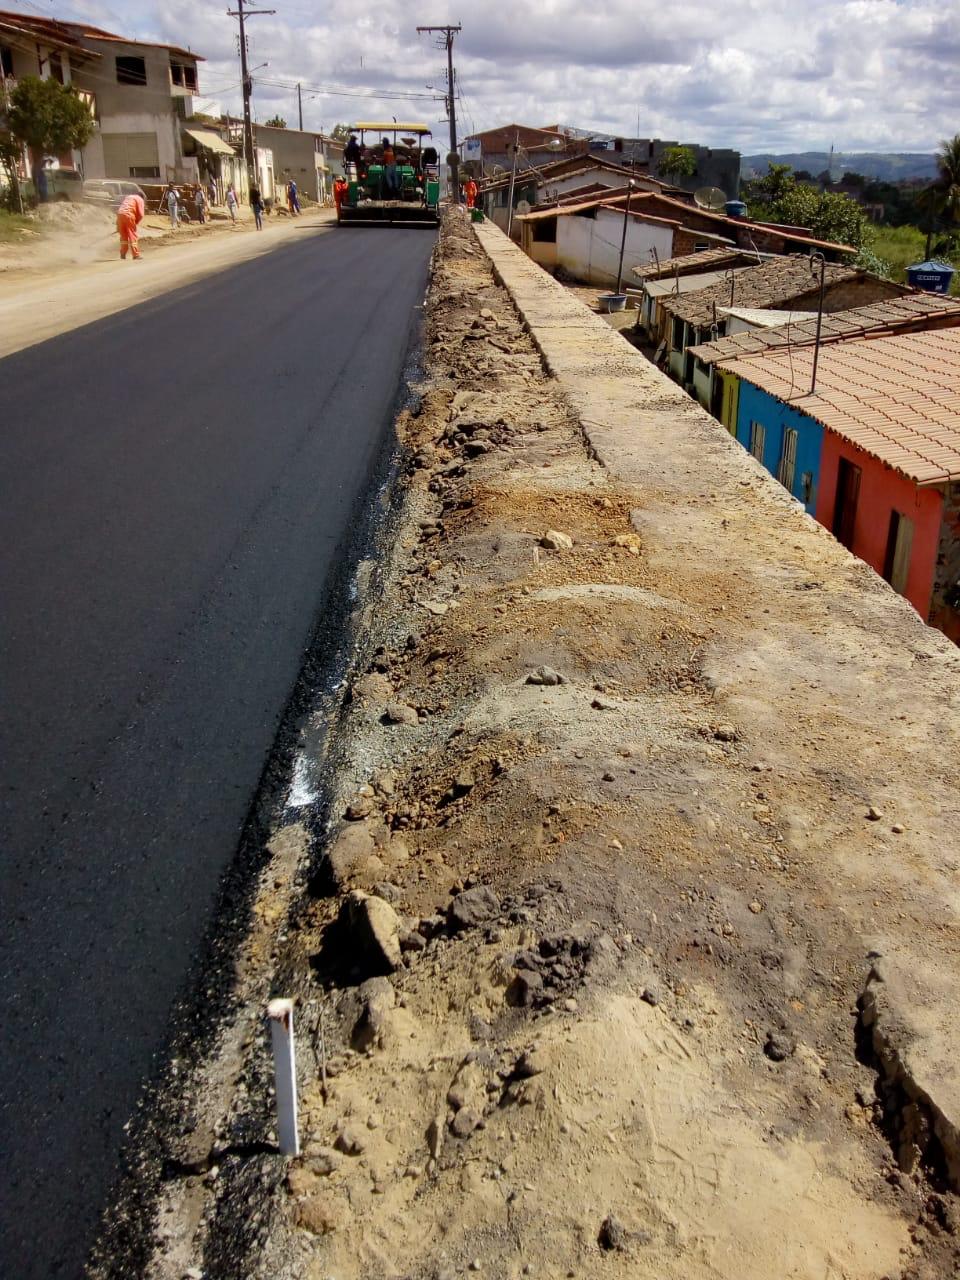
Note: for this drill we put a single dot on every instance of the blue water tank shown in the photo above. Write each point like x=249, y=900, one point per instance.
x=932, y=277
x=735, y=209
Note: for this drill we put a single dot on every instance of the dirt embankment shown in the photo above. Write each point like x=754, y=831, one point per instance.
x=578, y=987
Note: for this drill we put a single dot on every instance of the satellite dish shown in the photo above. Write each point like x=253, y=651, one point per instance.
x=710, y=198
x=523, y=206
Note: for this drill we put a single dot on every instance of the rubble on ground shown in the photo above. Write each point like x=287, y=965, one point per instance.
x=574, y=996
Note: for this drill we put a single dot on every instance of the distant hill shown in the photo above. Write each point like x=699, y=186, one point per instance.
x=893, y=166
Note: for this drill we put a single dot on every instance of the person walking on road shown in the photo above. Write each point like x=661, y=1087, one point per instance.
x=232, y=203
x=173, y=206
x=200, y=201
x=256, y=204
x=129, y=216
x=293, y=198
x=470, y=191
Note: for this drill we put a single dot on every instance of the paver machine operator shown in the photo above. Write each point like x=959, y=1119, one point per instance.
x=392, y=176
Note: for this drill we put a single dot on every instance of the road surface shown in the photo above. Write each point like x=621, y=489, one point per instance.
x=175, y=482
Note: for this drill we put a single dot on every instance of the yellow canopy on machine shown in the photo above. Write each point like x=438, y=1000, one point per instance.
x=389, y=126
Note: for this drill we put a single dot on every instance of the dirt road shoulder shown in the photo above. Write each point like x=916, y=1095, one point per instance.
x=37, y=308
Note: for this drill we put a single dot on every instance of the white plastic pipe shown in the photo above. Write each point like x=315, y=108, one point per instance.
x=280, y=1014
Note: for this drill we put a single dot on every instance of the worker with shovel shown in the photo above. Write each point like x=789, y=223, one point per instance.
x=129, y=216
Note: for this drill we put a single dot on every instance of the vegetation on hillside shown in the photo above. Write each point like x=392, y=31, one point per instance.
x=779, y=197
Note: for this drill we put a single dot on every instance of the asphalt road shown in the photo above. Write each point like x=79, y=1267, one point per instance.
x=175, y=482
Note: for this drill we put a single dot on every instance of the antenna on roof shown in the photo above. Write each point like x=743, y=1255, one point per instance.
x=711, y=198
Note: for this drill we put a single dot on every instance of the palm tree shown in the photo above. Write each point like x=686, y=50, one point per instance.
x=948, y=163
x=943, y=196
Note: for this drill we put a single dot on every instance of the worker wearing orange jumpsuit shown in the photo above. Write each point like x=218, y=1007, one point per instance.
x=129, y=216
x=471, y=193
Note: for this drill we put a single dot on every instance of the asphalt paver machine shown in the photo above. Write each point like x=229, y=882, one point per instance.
x=396, y=180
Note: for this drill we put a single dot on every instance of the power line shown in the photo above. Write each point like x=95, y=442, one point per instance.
x=379, y=94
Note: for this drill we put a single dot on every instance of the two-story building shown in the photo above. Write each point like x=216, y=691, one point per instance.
x=139, y=93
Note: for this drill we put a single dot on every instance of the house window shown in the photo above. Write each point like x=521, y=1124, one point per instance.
x=700, y=246
x=787, y=467
x=758, y=437
x=677, y=339
x=183, y=75
x=6, y=60
x=545, y=230
x=896, y=565
x=131, y=71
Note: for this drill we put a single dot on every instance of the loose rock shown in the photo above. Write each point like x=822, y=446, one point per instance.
x=375, y=929
x=400, y=713
x=778, y=1046
x=474, y=907
x=612, y=1236
x=546, y=676
x=553, y=540
x=351, y=1141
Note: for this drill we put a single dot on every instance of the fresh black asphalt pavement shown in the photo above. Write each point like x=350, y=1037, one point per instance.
x=176, y=486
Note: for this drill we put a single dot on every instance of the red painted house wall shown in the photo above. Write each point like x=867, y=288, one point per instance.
x=883, y=490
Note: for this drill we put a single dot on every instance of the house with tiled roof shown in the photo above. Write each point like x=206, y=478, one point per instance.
x=689, y=264
x=551, y=183
x=790, y=282
x=866, y=434
x=718, y=390
x=139, y=93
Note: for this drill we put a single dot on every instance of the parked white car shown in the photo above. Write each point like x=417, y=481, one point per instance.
x=111, y=191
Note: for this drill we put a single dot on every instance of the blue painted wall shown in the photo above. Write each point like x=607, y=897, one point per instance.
x=758, y=406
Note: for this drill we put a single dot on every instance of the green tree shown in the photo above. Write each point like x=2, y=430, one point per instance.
x=48, y=118
x=948, y=165
x=677, y=162
x=779, y=197
x=774, y=184
x=276, y=122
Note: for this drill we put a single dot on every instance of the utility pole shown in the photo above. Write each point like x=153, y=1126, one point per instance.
x=513, y=183
x=246, y=80
x=453, y=159
x=300, y=105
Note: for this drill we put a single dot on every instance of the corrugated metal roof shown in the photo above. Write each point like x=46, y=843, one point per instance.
x=688, y=284
x=912, y=311
x=896, y=397
x=763, y=317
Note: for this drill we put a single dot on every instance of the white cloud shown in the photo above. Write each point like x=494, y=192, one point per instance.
x=752, y=74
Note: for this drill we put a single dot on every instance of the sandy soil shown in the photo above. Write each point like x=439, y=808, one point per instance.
x=68, y=272
x=602, y=1016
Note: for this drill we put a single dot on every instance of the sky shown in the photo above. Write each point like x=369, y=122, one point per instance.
x=756, y=75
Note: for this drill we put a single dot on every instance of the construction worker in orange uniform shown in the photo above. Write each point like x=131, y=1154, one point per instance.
x=340, y=189
x=129, y=216
x=471, y=193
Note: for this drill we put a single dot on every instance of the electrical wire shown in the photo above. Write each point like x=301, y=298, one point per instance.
x=372, y=94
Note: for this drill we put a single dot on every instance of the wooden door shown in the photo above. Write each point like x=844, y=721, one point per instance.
x=845, y=504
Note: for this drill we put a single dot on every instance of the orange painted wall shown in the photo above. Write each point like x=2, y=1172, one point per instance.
x=883, y=490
